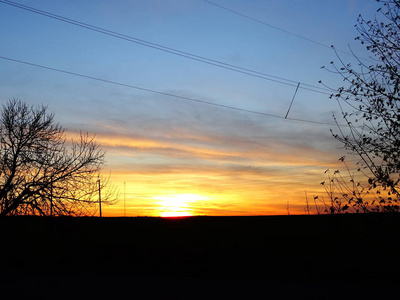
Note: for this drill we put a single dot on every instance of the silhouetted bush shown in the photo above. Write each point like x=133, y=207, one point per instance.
x=372, y=130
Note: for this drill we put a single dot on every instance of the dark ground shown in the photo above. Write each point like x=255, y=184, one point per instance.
x=273, y=257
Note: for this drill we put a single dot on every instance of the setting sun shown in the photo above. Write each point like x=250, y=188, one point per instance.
x=177, y=205
x=192, y=138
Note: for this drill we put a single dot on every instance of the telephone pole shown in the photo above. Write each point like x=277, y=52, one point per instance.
x=124, y=199
x=99, y=197
x=51, y=196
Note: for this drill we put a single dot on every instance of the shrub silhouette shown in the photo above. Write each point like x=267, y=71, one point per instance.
x=346, y=193
x=373, y=126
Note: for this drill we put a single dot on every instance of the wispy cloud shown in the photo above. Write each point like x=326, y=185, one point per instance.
x=249, y=171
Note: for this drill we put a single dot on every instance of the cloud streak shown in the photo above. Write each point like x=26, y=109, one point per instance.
x=252, y=170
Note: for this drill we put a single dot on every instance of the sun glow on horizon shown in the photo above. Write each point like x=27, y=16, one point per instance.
x=187, y=193
x=177, y=205
x=171, y=214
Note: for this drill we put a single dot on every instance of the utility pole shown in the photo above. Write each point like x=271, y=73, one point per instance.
x=99, y=197
x=124, y=199
x=51, y=196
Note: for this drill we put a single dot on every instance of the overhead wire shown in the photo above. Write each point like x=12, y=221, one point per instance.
x=172, y=51
x=166, y=94
x=203, y=59
x=278, y=28
x=179, y=53
x=266, y=24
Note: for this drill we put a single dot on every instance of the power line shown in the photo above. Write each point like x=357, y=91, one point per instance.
x=165, y=94
x=295, y=92
x=266, y=24
x=280, y=29
x=216, y=63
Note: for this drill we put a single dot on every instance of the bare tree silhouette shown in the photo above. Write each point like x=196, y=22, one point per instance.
x=41, y=173
x=373, y=131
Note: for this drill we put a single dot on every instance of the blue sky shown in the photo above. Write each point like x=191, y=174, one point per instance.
x=161, y=146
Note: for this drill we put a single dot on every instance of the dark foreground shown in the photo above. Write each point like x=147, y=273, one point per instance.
x=273, y=257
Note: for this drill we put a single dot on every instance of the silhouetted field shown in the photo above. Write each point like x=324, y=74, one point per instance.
x=201, y=256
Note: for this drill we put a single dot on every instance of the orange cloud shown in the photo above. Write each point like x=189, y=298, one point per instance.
x=230, y=174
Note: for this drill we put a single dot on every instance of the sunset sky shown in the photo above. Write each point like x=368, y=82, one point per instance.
x=188, y=137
